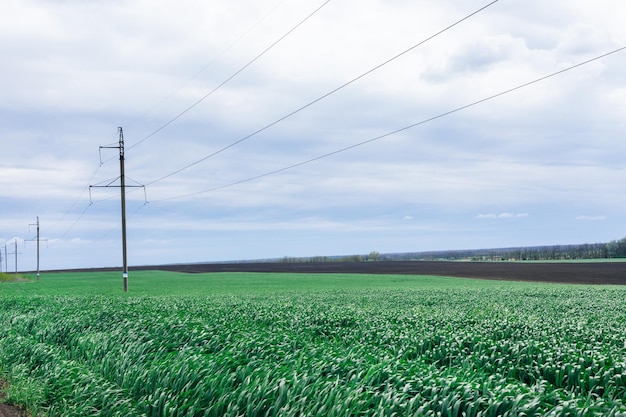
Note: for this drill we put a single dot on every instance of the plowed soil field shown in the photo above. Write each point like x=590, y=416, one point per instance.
x=557, y=272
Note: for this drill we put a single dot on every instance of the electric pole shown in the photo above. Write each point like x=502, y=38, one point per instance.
x=38, y=239
x=12, y=253
x=123, y=203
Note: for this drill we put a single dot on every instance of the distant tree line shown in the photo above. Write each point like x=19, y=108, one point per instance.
x=612, y=249
x=372, y=256
x=533, y=253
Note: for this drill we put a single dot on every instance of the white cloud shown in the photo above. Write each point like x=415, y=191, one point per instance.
x=513, y=215
x=591, y=218
x=502, y=216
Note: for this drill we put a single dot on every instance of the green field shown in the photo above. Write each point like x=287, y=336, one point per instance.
x=311, y=345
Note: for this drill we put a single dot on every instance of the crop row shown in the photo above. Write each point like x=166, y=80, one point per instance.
x=472, y=352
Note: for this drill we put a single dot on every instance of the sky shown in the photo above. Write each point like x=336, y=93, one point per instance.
x=267, y=128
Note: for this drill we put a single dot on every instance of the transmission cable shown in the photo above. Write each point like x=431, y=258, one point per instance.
x=456, y=110
x=78, y=198
x=105, y=235
x=323, y=96
x=179, y=115
x=71, y=226
x=82, y=192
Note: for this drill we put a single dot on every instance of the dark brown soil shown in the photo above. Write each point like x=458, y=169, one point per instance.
x=558, y=272
x=8, y=410
x=11, y=411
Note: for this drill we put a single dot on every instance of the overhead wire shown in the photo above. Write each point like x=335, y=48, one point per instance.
x=80, y=216
x=206, y=66
x=439, y=116
x=118, y=227
x=69, y=229
x=201, y=99
x=79, y=197
x=102, y=162
x=322, y=97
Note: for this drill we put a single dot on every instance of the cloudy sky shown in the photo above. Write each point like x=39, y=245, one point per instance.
x=218, y=99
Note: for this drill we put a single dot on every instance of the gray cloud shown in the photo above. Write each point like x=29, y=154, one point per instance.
x=74, y=71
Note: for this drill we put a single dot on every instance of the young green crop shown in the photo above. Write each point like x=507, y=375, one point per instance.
x=160, y=283
x=12, y=278
x=453, y=351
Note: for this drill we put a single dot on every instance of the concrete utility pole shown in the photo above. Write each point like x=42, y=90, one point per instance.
x=123, y=202
x=37, y=224
x=13, y=253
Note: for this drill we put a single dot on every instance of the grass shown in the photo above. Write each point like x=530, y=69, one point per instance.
x=159, y=283
x=13, y=277
x=260, y=344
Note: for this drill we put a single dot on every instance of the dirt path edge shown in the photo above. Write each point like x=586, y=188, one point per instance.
x=7, y=410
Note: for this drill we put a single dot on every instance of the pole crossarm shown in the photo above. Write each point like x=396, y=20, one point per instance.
x=145, y=194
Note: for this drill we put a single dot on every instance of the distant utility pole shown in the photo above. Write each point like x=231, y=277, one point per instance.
x=13, y=253
x=123, y=202
x=38, y=240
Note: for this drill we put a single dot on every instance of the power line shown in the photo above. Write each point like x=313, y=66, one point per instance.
x=207, y=66
x=69, y=229
x=80, y=216
x=80, y=195
x=204, y=68
x=456, y=110
x=324, y=96
x=82, y=192
x=78, y=198
x=179, y=115
x=116, y=228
